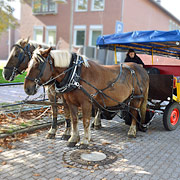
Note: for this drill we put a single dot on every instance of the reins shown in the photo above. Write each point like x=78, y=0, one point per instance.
x=73, y=82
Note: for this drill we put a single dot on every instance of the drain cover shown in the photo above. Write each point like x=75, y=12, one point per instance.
x=93, y=156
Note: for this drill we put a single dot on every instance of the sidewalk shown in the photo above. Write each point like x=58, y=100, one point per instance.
x=152, y=155
x=12, y=94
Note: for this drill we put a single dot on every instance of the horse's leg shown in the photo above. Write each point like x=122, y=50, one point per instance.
x=97, y=119
x=52, y=97
x=143, y=111
x=132, y=130
x=67, y=133
x=75, y=138
x=86, y=110
x=52, y=132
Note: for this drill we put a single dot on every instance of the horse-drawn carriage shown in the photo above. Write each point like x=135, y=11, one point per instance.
x=84, y=82
x=164, y=87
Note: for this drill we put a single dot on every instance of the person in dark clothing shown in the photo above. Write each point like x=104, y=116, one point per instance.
x=132, y=57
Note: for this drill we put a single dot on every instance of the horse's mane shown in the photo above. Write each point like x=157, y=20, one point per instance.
x=62, y=58
x=35, y=44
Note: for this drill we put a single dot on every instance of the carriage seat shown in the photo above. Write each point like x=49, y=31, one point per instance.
x=152, y=70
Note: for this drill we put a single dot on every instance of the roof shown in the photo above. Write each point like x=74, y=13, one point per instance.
x=165, y=10
x=164, y=43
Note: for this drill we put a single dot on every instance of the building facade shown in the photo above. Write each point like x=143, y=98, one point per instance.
x=49, y=22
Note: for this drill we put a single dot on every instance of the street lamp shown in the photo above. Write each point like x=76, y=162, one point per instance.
x=71, y=20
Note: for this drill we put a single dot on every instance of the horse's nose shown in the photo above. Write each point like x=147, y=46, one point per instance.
x=29, y=91
x=5, y=75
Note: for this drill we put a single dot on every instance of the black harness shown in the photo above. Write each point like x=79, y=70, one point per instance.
x=21, y=58
x=73, y=77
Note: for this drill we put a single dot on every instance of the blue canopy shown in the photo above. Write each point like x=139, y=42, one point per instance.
x=165, y=43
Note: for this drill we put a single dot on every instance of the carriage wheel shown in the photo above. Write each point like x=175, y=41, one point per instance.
x=171, y=117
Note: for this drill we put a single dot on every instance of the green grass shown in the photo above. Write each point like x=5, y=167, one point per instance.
x=19, y=78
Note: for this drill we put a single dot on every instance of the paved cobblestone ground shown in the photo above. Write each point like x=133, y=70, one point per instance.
x=14, y=93
x=152, y=155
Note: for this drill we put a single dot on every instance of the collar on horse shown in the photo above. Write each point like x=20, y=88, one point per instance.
x=72, y=76
x=21, y=58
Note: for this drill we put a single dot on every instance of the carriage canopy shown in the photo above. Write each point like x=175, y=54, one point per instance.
x=163, y=43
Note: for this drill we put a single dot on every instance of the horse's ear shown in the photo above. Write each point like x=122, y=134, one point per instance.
x=49, y=49
x=27, y=40
x=46, y=52
x=39, y=46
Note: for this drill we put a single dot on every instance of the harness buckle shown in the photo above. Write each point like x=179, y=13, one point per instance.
x=36, y=81
x=132, y=71
x=76, y=83
x=15, y=69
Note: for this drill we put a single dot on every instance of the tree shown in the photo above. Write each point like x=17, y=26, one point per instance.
x=6, y=16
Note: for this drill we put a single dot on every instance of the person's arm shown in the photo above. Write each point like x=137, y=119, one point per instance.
x=140, y=61
x=127, y=60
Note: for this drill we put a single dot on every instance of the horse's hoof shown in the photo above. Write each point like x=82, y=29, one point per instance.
x=97, y=127
x=131, y=136
x=143, y=129
x=92, y=126
x=65, y=137
x=71, y=144
x=83, y=146
x=50, y=136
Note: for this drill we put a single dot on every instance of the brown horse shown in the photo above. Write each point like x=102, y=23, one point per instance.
x=106, y=86
x=18, y=60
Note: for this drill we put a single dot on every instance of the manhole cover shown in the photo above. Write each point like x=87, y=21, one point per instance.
x=93, y=156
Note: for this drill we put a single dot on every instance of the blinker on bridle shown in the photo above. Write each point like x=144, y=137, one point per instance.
x=21, y=58
x=43, y=61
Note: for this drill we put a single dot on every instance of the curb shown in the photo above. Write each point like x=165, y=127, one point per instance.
x=31, y=129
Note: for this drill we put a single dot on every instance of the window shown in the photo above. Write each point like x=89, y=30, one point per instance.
x=38, y=34
x=44, y=7
x=97, y=5
x=51, y=35
x=81, y=5
x=95, y=31
x=79, y=35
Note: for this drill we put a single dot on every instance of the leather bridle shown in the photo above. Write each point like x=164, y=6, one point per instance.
x=42, y=65
x=21, y=58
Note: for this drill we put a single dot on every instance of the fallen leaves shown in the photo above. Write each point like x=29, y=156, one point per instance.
x=9, y=122
x=4, y=163
x=105, y=143
x=69, y=166
x=36, y=175
x=49, y=152
x=7, y=142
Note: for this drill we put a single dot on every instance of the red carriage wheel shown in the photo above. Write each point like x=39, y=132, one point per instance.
x=171, y=116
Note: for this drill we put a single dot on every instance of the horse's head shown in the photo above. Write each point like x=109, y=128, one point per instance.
x=40, y=70
x=18, y=59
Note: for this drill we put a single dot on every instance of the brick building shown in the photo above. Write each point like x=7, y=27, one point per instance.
x=49, y=22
